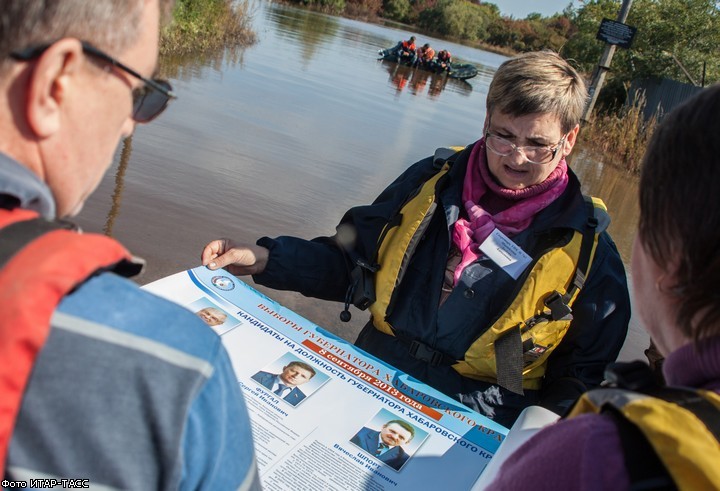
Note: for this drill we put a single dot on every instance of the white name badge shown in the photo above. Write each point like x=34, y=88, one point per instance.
x=505, y=253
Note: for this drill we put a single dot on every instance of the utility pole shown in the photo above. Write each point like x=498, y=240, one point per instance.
x=604, y=64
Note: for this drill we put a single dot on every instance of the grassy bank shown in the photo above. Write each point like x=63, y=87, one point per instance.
x=205, y=25
x=620, y=137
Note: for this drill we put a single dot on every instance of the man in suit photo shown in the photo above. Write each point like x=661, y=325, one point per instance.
x=285, y=384
x=386, y=444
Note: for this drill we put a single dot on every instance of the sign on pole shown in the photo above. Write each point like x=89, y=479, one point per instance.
x=617, y=33
x=613, y=33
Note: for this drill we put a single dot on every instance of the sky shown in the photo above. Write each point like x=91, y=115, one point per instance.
x=519, y=9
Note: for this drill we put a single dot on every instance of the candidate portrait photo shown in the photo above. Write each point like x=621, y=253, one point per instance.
x=218, y=319
x=290, y=379
x=389, y=439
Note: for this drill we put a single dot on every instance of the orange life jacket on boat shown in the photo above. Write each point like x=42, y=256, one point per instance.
x=426, y=54
x=408, y=46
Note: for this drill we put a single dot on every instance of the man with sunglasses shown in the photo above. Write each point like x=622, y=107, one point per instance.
x=487, y=274
x=100, y=382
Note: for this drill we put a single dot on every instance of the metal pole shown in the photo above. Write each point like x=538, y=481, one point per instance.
x=604, y=65
x=682, y=67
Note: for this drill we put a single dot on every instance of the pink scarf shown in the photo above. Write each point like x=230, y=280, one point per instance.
x=469, y=234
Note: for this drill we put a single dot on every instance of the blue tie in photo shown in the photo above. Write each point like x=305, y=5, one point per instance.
x=280, y=389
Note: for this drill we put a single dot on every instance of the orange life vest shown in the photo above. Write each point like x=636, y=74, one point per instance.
x=426, y=54
x=408, y=46
x=40, y=263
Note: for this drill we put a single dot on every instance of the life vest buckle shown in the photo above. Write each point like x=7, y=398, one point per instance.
x=559, y=310
x=421, y=351
x=634, y=375
x=373, y=268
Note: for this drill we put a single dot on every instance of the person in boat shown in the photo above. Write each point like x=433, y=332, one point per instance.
x=102, y=382
x=488, y=275
x=654, y=437
x=444, y=60
x=405, y=51
x=425, y=56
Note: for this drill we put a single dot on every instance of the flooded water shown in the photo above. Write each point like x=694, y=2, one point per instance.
x=282, y=137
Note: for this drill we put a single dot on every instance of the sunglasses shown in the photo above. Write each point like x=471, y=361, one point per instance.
x=149, y=100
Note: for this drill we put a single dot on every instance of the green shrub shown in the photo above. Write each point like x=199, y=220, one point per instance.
x=398, y=10
x=457, y=19
x=202, y=25
x=327, y=6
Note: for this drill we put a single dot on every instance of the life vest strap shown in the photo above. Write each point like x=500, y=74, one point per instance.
x=509, y=360
x=643, y=464
x=646, y=467
x=638, y=377
x=17, y=235
x=583, y=265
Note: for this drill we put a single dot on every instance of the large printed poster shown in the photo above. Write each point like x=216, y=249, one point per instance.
x=326, y=415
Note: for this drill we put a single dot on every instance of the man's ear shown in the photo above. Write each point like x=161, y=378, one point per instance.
x=50, y=83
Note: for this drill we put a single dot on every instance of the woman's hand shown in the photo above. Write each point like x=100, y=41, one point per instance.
x=237, y=259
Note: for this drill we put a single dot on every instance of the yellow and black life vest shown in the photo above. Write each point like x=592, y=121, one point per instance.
x=513, y=352
x=680, y=425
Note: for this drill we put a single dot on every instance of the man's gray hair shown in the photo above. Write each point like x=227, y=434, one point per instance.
x=108, y=24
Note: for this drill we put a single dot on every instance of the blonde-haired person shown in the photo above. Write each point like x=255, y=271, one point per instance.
x=669, y=440
x=494, y=280
x=101, y=383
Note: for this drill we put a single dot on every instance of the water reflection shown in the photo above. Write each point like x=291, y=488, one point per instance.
x=308, y=31
x=416, y=80
x=119, y=186
x=188, y=67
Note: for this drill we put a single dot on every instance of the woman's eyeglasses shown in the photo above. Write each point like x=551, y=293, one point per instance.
x=149, y=100
x=533, y=154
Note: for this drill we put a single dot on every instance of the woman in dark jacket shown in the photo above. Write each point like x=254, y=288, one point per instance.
x=508, y=292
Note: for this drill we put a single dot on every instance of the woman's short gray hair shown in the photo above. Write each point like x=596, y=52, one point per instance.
x=538, y=82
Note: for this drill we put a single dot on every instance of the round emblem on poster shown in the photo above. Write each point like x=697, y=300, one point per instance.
x=223, y=283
